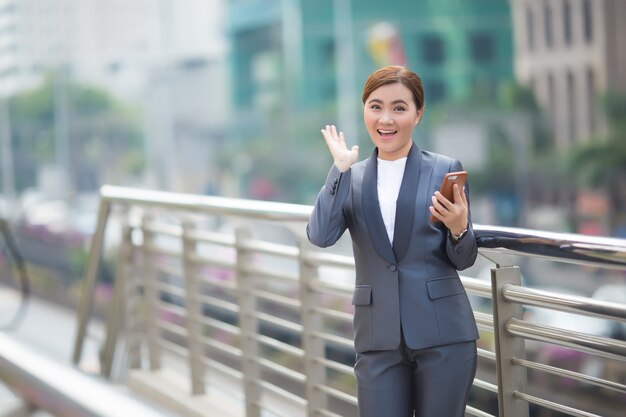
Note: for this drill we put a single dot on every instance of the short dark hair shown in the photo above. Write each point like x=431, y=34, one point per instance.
x=395, y=74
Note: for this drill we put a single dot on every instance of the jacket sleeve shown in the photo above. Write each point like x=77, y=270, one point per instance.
x=327, y=222
x=463, y=254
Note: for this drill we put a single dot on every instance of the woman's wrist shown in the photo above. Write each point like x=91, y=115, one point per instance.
x=342, y=166
x=457, y=232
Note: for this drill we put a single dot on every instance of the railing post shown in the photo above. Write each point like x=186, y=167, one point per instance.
x=249, y=326
x=89, y=281
x=194, y=312
x=314, y=347
x=117, y=305
x=135, y=323
x=152, y=296
x=511, y=378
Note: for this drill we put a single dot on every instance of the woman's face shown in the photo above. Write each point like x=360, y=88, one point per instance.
x=390, y=116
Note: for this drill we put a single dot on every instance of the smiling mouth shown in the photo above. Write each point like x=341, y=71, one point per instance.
x=386, y=133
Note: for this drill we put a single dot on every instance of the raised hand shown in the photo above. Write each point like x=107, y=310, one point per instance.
x=343, y=157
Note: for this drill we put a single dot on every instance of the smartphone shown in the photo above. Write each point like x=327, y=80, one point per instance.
x=449, y=180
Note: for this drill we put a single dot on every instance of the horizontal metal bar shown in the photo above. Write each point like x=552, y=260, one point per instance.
x=205, y=236
x=281, y=392
x=157, y=227
x=325, y=413
x=280, y=346
x=570, y=374
x=483, y=353
x=568, y=247
x=293, y=302
x=563, y=247
x=229, y=285
x=280, y=369
x=334, y=314
x=484, y=320
x=153, y=250
x=296, y=327
x=476, y=412
x=222, y=347
x=563, y=302
x=172, y=328
x=323, y=287
x=62, y=390
x=488, y=386
x=271, y=273
x=274, y=412
x=335, y=393
x=476, y=286
x=318, y=258
x=256, y=209
x=336, y=366
x=552, y=405
x=200, y=260
x=220, y=325
x=170, y=289
x=603, y=346
x=216, y=302
x=171, y=308
x=168, y=268
x=220, y=367
x=269, y=248
x=342, y=341
x=172, y=347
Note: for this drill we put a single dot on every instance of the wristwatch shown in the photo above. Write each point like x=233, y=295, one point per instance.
x=458, y=237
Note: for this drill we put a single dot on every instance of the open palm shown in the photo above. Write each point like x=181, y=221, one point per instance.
x=343, y=157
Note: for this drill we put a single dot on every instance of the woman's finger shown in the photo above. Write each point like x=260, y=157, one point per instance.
x=443, y=200
x=458, y=195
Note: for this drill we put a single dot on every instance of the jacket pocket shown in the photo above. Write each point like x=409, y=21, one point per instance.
x=362, y=295
x=444, y=287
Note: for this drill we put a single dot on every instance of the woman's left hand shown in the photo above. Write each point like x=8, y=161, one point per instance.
x=453, y=215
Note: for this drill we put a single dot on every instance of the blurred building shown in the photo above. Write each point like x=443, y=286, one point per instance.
x=165, y=56
x=110, y=42
x=569, y=52
x=306, y=52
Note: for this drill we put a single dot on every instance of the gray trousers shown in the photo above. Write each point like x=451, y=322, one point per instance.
x=432, y=382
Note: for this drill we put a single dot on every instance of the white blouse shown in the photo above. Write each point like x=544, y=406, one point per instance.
x=389, y=180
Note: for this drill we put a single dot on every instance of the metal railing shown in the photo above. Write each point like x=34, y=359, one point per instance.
x=40, y=383
x=215, y=289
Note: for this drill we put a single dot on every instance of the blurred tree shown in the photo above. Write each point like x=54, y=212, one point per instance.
x=601, y=162
x=104, y=135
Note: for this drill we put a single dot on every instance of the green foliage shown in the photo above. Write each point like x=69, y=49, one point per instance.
x=103, y=134
x=601, y=162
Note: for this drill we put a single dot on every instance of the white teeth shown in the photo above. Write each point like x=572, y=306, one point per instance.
x=386, y=132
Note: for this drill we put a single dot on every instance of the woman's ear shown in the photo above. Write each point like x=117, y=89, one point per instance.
x=419, y=115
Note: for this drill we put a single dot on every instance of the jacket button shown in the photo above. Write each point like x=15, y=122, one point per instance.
x=393, y=268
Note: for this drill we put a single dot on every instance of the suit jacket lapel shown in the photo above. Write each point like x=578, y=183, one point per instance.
x=405, y=205
x=371, y=211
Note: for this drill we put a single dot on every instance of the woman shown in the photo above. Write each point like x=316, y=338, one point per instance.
x=414, y=330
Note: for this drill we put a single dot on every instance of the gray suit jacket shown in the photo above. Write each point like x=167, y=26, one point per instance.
x=412, y=284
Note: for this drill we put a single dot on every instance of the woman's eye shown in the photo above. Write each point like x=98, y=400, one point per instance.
x=399, y=108
x=375, y=107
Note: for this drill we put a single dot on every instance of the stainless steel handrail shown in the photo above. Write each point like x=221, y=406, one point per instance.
x=606, y=252
x=61, y=390
x=573, y=248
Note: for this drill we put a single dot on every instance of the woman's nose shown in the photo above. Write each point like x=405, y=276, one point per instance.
x=386, y=118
